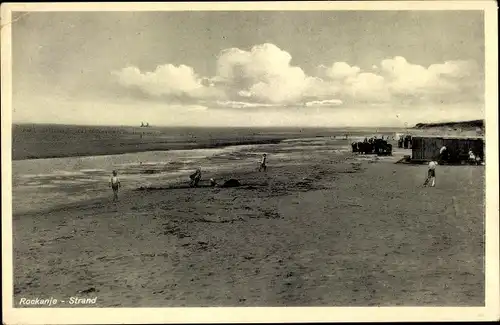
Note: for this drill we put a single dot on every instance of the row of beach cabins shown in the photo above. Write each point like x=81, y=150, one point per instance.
x=458, y=148
x=425, y=148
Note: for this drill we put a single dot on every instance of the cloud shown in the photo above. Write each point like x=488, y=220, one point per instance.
x=351, y=84
x=193, y=108
x=237, y=104
x=264, y=76
x=366, y=86
x=451, y=78
x=340, y=70
x=397, y=80
x=167, y=80
x=245, y=93
x=327, y=102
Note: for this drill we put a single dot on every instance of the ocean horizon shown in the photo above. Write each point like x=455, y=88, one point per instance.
x=37, y=141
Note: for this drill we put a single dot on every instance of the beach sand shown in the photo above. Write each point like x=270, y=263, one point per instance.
x=327, y=231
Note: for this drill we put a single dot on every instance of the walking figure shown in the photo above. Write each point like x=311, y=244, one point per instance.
x=431, y=174
x=114, y=183
x=263, y=166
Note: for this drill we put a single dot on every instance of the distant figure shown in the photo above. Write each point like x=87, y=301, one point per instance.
x=263, y=166
x=478, y=160
x=472, y=157
x=354, y=146
x=195, y=178
x=213, y=183
x=431, y=174
x=114, y=183
x=443, y=153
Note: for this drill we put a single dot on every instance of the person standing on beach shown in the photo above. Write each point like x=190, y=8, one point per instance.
x=263, y=166
x=431, y=174
x=443, y=153
x=114, y=183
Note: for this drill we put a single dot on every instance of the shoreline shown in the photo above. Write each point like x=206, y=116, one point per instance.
x=48, y=141
x=151, y=147
x=221, y=163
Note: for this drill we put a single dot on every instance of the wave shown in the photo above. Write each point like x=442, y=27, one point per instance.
x=93, y=170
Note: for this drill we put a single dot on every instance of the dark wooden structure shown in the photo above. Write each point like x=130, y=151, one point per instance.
x=426, y=148
x=374, y=146
x=404, y=141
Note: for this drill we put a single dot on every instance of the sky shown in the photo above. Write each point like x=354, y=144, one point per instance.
x=248, y=68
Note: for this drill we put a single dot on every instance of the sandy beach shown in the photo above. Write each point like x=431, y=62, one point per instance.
x=355, y=111
x=327, y=230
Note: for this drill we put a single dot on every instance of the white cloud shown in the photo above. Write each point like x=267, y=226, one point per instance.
x=193, y=108
x=353, y=84
x=326, y=102
x=264, y=74
x=341, y=70
x=264, y=77
x=167, y=80
x=321, y=89
x=398, y=80
x=451, y=77
x=239, y=104
x=455, y=69
x=245, y=93
x=366, y=86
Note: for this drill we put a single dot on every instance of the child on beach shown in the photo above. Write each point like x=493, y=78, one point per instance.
x=114, y=183
x=473, y=158
x=195, y=178
x=263, y=165
x=431, y=174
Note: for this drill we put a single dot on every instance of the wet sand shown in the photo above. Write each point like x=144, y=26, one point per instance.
x=328, y=231
x=38, y=141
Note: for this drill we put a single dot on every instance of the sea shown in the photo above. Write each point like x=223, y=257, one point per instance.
x=54, y=165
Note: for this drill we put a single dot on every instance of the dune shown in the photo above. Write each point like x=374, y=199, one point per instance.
x=463, y=128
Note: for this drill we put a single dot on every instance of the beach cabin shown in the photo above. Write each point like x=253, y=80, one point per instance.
x=427, y=147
